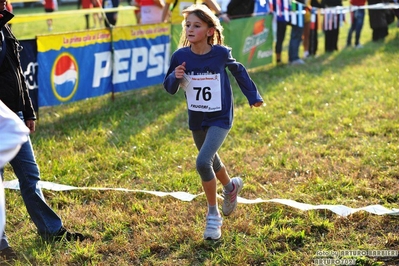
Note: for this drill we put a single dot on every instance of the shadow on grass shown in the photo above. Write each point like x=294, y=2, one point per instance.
x=133, y=111
x=130, y=112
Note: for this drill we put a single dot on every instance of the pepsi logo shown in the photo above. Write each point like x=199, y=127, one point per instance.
x=64, y=77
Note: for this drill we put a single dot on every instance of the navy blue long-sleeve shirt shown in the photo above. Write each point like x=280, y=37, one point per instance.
x=214, y=62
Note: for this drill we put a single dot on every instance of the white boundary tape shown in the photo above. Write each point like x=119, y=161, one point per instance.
x=184, y=196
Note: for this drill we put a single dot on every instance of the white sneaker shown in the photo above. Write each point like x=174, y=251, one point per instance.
x=359, y=46
x=230, y=198
x=297, y=62
x=213, y=229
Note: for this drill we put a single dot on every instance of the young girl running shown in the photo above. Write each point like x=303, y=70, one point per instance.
x=199, y=68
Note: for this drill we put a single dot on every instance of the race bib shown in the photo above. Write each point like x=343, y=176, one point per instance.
x=203, y=93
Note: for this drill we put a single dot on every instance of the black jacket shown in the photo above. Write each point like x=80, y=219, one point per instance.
x=331, y=3
x=240, y=8
x=13, y=89
x=378, y=18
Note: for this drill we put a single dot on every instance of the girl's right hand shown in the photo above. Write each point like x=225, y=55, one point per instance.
x=180, y=70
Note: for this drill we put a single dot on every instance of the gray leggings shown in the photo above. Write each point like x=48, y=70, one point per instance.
x=208, y=143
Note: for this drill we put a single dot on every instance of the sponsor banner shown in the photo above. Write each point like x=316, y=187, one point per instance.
x=254, y=45
x=67, y=66
x=175, y=36
x=141, y=56
x=28, y=57
x=86, y=64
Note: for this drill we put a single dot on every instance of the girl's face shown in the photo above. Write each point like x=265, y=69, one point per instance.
x=197, y=31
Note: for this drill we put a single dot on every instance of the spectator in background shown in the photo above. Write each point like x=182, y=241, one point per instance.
x=10, y=9
x=295, y=41
x=110, y=17
x=283, y=18
x=331, y=26
x=378, y=21
x=314, y=26
x=240, y=8
x=137, y=11
x=49, y=7
x=396, y=12
x=14, y=94
x=306, y=29
x=97, y=17
x=151, y=11
x=357, y=18
x=223, y=5
x=281, y=28
x=87, y=4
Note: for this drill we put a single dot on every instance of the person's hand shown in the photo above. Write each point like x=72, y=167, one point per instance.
x=180, y=70
x=224, y=17
x=31, y=125
x=257, y=104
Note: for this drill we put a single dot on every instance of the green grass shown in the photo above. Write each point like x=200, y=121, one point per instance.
x=328, y=134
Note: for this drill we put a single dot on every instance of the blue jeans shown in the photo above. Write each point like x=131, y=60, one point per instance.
x=295, y=42
x=27, y=171
x=357, y=25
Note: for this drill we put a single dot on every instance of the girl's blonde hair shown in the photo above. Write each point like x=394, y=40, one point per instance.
x=206, y=15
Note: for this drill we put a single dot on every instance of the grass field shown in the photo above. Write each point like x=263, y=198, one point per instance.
x=328, y=133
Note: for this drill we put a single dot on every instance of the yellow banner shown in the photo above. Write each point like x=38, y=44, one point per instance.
x=72, y=39
x=149, y=31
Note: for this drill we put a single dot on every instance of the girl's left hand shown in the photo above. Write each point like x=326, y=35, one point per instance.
x=257, y=104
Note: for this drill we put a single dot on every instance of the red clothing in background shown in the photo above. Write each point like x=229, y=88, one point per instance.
x=97, y=3
x=50, y=5
x=358, y=2
x=87, y=4
x=146, y=2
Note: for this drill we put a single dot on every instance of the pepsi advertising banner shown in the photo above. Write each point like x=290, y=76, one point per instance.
x=141, y=56
x=80, y=65
x=30, y=68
